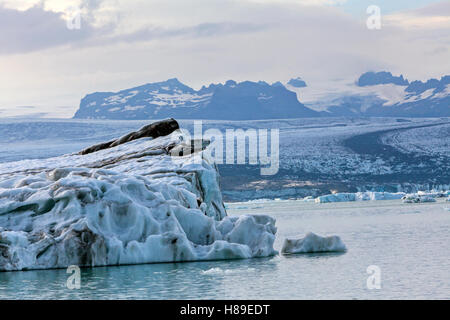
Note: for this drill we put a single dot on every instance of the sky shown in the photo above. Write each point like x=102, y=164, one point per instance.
x=48, y=61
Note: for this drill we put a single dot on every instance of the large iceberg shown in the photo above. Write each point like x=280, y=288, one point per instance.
x=131, y=202
x=313, y=243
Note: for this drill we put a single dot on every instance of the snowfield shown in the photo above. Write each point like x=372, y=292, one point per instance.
x=130, y=204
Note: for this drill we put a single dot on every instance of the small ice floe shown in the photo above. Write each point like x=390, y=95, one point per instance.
x=417, y=198
x=308, y=199
x=336, y=197
x=312, y=243
x=433, y=194
x=220, y=271
x=216, y=271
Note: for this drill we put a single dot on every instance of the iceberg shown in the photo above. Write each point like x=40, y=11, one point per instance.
x=313, y=243
x=308, y=199
x=418, y=198
x=433, y=194
x=125, y=202
x=336, y=197
x=359, y=196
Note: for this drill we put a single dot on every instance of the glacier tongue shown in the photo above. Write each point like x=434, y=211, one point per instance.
x=130, y=204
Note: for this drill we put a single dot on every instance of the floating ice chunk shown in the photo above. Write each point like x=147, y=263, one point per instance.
x=307, y=199
x=337, y=197
x=373, y=196
x=359, y=196
x=433, y=194
x=313, y=243
x=421, y=196
x=220, y=271
x=216, y=271
x=416, y=198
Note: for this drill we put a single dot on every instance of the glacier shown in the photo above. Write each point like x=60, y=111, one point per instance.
x=131, y=203
x=313, y=243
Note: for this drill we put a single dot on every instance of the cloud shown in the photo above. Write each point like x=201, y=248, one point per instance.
x=435, y=9
x=197, y=31
x=124, y=43
x=304, y=2
x=106, y=22
x=433, y=16
x=36, y=29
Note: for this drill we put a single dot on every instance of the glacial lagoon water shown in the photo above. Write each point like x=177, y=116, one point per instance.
x=409, y=243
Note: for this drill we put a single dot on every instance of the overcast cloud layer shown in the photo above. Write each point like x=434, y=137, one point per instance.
x=123, y=43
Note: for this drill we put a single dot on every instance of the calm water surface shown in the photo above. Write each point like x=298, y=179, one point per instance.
x=408, y=242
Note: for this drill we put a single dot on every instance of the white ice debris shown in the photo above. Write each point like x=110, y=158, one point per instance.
x=433, y=194
x=336, y=197
x=425, y=196
x=220, y=271
x=420, y=196
x=130, y=204
x=416, y=198
x=313, y=243
x=308, y=199
x=359, y=196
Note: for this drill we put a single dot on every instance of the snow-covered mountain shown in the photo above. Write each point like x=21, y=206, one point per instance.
x=378, y=94
x=230, y=101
